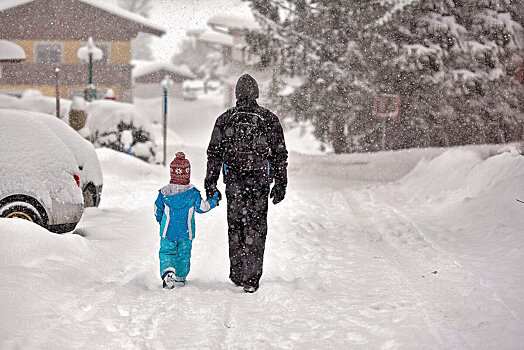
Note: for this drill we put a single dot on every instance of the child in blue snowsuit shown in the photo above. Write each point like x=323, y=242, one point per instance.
x=175, y=209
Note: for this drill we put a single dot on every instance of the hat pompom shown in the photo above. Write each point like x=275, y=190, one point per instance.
x=180, y=156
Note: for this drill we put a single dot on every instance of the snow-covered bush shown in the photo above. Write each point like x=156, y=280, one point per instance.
x=107, y=120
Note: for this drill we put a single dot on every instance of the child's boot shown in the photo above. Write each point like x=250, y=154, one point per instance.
x=169, y=280
x=180, y=281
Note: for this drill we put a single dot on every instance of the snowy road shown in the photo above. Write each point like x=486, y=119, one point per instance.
x=348, y=264
x=392, y=250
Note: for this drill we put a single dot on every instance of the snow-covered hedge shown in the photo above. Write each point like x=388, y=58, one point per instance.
x=107, y=120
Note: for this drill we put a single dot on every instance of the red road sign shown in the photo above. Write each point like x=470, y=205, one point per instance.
x=386, y=106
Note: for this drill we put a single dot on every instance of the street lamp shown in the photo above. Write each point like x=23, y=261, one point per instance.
x=89, y=53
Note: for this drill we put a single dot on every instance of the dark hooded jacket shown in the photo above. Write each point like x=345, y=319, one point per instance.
x=246, y=92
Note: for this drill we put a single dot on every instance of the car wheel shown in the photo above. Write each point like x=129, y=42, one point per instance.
x=89, y=197
x=21, y=210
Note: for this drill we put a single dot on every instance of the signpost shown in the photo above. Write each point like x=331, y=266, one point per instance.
x=386, y=106
x=165, y=84
x=57, y=91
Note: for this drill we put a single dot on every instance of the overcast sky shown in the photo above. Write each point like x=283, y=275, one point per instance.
x=176, y=16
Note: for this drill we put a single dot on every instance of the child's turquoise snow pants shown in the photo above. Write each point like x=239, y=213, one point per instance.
x=175, y=256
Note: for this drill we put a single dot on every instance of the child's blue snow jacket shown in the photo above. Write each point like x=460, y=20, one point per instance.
x=175, y=209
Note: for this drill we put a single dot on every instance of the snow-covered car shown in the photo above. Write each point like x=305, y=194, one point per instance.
x=39, y=174
x=90, y=173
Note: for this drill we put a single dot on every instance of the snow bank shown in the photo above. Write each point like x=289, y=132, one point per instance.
x=463, y=173
x=376, y=166
x=27, y=245
x=464, y=204
x=48, y=278
x=33, y=100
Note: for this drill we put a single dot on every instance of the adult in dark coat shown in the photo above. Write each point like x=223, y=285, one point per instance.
x=249, y=165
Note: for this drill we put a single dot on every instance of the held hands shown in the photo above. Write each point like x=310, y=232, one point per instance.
x=278, y=192
x=211, y=191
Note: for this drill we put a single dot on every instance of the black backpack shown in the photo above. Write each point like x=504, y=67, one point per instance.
x=245, y=141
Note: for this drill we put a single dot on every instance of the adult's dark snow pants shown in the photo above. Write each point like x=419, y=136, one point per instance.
x=247, y=228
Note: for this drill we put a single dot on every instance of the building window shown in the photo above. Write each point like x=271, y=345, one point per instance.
x=106, y=49
x=49, y=53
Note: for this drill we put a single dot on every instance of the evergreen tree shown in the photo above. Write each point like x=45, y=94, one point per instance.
x=452, y=66
x=448, y=60
x=318, y=41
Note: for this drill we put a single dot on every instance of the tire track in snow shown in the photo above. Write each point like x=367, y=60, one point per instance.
x=324, y=258
x=404, y=245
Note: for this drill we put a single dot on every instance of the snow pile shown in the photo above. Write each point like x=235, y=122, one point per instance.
x=33, y=100
x=372, y=167
x=462, y=174
x=117, y=164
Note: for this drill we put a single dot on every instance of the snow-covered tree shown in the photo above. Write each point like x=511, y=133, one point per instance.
x=451, y=68
x=318, y=41
x=201, y=58
x=448, y=60
x=141, y=45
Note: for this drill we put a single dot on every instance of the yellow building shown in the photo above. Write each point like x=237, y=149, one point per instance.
x=52, y=31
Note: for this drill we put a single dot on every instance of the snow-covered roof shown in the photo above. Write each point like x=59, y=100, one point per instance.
x=7, y=4
x=195, y=32
x=216, y=38
x=9, y=51
x=237, y=17
x=145, y=67
x=117, y=11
